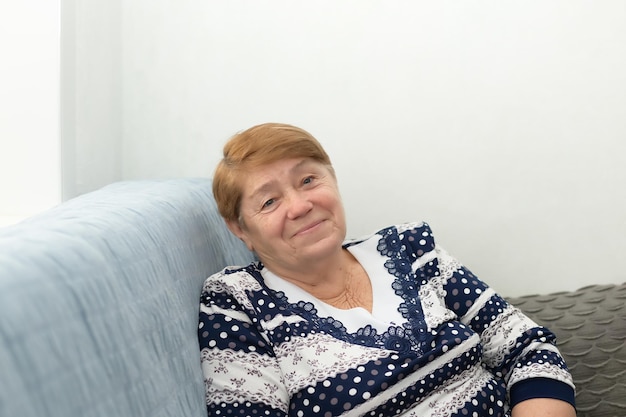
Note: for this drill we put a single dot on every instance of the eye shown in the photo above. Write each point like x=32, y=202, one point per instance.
x=268, y=203
x=307, y=180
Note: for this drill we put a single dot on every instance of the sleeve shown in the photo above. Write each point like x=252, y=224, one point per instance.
x=515, y=348
x=241, y=372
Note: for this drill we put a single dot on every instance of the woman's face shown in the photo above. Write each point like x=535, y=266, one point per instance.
x=291, y=214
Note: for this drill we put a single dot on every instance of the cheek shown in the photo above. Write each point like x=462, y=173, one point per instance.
x=334, y=202
x=264, y=232
x=248, y=243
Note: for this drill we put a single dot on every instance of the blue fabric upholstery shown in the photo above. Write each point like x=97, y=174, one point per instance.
x=99, y=302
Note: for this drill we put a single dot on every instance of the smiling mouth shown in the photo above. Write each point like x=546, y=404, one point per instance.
x=308, y=228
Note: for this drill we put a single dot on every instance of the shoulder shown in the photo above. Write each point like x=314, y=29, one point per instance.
x=411, y=231
x=416, y=235
x=415, y=230
x=413, y=239
x=234, y=277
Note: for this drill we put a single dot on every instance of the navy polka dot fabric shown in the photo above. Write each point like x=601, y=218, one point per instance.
x=438, y=342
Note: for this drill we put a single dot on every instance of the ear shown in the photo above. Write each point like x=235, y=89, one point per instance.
x=238, y=231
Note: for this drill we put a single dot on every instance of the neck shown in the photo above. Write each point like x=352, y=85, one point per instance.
x=341, y=282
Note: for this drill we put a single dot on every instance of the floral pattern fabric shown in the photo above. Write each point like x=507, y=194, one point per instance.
x=439, y=341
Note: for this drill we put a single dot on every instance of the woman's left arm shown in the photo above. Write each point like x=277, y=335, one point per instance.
x=543, y=407
x=515, y=348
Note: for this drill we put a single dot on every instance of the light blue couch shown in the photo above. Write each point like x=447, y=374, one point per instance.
x=99, y=302
x=99, y=308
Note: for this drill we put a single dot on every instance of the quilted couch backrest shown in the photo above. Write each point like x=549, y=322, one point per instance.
x=99, y=302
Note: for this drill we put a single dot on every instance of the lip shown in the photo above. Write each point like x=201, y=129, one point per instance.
x=309, y=227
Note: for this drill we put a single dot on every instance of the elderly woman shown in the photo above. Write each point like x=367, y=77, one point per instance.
x=382, y=326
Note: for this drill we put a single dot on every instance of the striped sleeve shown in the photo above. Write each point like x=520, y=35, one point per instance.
x=241, y=373
x=515, y=348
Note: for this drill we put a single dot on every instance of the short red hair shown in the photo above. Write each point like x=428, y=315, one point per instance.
x=256, y=146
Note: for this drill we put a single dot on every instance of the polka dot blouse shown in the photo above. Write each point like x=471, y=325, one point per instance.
x=438, y=342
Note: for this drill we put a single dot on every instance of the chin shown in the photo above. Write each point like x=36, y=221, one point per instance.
x=326, y=247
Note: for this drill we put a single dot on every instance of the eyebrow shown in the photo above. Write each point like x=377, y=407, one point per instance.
x=267, y=186
x=263, y=189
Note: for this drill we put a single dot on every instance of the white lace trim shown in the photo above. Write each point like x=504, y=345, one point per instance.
x=414, y=378
x=236, y=284
x=432, y=294
x=318, y=357
x=448, y=265
x=401, y=228
x=235, y=314
x=279, y=320
x=456, y=393
x=540, y=370
x=432, y=297
x=239, y=375
x=499, y=338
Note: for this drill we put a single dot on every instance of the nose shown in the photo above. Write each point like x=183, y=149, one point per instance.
x=298, y=205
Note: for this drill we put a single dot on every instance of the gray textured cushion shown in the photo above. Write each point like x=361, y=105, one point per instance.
x=590, y=325
x=99, y=302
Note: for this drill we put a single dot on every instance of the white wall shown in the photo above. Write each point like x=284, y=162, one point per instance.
x=92, y=110
x=500, y=123
x=29, y=108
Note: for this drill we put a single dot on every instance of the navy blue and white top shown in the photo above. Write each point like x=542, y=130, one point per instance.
x=438, y=342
